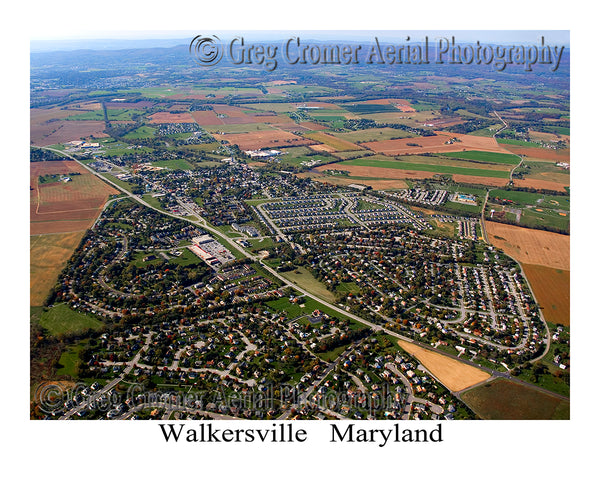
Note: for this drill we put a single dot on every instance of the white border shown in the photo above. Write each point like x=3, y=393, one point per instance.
x=115, y=449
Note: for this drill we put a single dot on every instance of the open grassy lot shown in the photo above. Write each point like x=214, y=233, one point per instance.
x=142, y=132
x=110, y=147
x=515, y=196
x=506, y=400
x=304, y=279
x=62, y=319
x=175, y=164
x=305, y=306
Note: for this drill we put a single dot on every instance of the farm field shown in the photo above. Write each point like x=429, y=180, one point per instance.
x=550, y=184
x=64, y=210
x=62, y=131
x=113, y=114
x=506, y=400
x=551, y=287
x=206, y=117
x=441, y=142
x=166, y=117
x=59, y=207
x=264, y=139
x=541, y=154
x=428, y=167
x=48, y=255
x=238, y=128
x=375, y=172
x=335, y=143
x=545, y=171
x=375, y=183
x=485, y=157
x=530, y=246
x=454, y=374
x=372, y=135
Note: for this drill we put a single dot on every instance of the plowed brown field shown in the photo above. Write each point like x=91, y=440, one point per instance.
x=59, y=215
x=551, y=287
x=435, y=144
x=61, y=131
x=65, y=207
x=536, y=247
x=264, y=139
x=454, y=374
x=563, y=155
x=166, y=117
x=543, y=184
x=48, y=256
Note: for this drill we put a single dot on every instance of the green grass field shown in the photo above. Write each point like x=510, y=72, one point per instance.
x=295, y=310
x=175, y=164
x=111, y=147
x=62, y=319
x=373, y=134
x=528, y=198
x=545, y=218
x=304, y=279
x=557, y=130
x=186, y=258
x=69, y=360
x=520, y=143
x=486, y=157
x=361, y=108
x=119, y=114
x=154, y=201
x=442, y=169
x=142, y=132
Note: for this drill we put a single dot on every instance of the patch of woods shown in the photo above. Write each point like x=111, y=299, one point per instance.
x=41, y=155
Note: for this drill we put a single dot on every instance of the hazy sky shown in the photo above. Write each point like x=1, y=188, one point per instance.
x=137, y=39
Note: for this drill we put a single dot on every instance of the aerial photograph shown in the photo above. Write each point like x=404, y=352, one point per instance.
x=317, y=239
x=301, y=226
